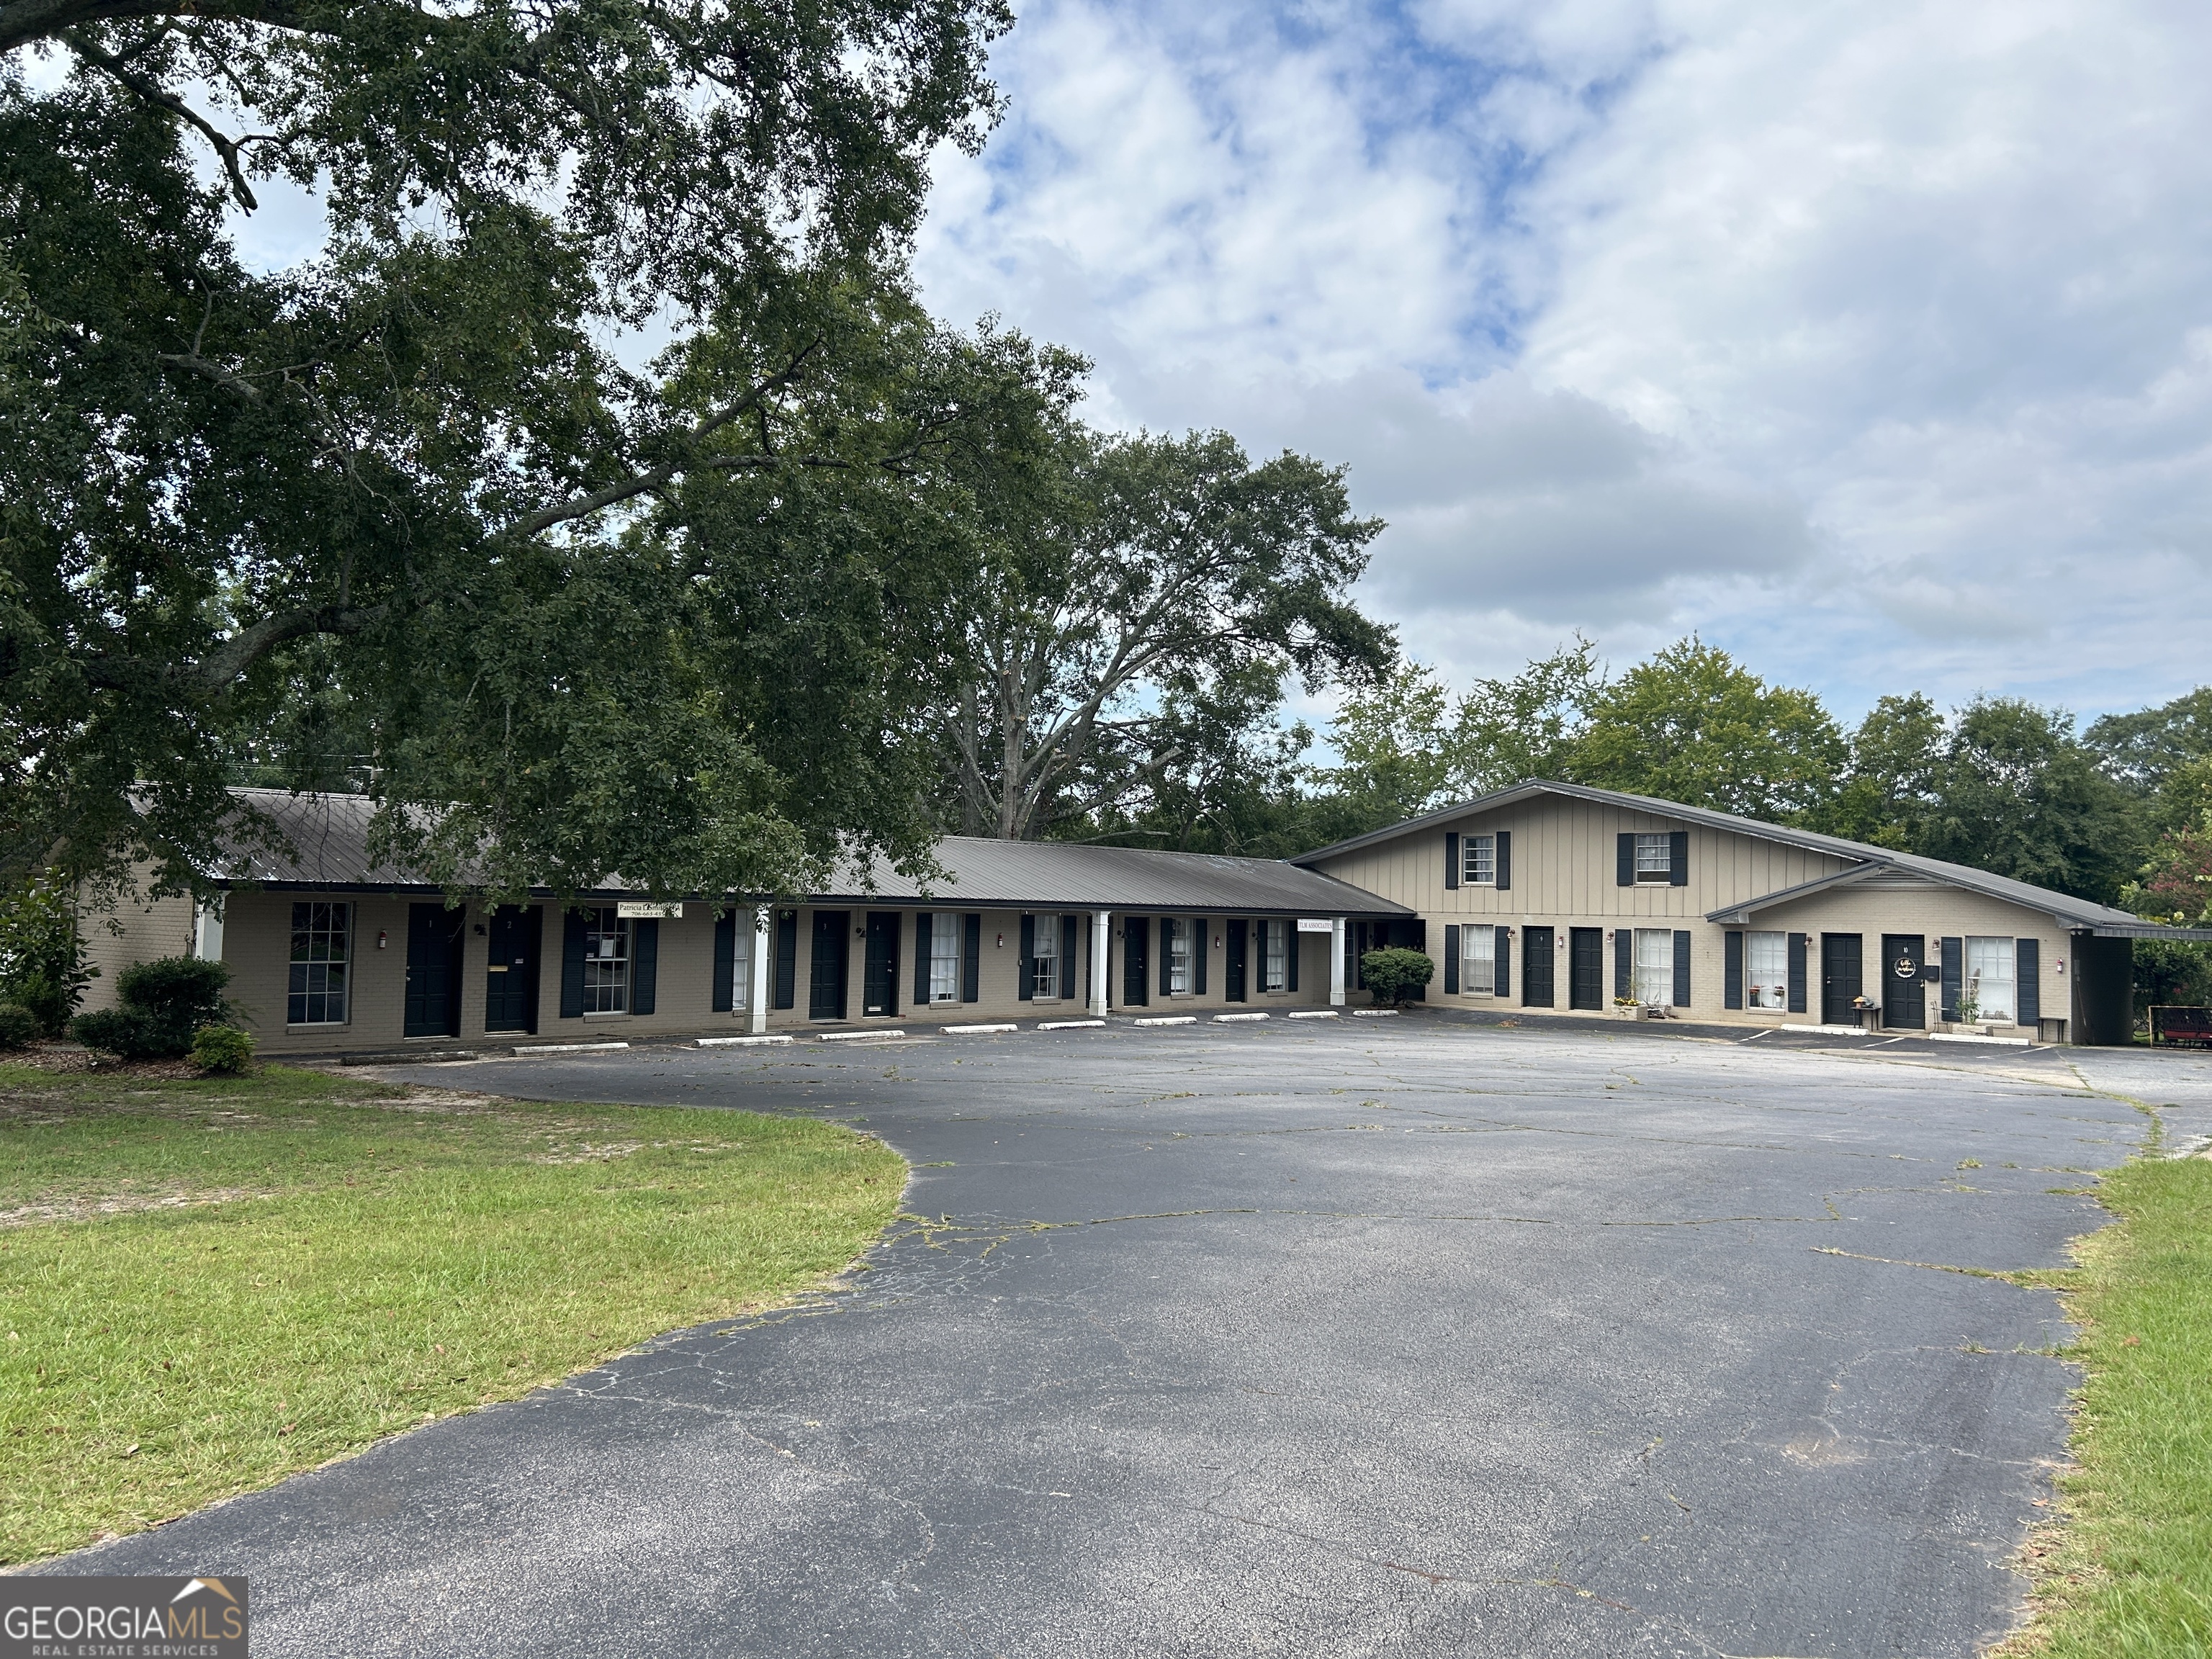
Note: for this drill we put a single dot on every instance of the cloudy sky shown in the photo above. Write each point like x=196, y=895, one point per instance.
x=1872, y=340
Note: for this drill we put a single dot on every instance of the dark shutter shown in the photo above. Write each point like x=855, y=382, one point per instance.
x=1623, y=964
x=1678, y=859
x=2028, y=983
x=1623, y=861
x=922, y=930
x=644, y=964
x=1451, y=862
x=786, y=960
x=1026, y=986
x=725, y=960
x=1681, y=968
x=1201, y=947
x=1451, y=960
x=1293, y=943
x=1504, y=867
x=1502, y=964
x=971, y=958
x=1732, y=970
x=572, y=965
x=1954, y=975
x=1067, y=980
x=1796, y=943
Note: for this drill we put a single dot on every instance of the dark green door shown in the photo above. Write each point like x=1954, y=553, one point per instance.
x=1903, y=1002
x=1136, y=933
x=826, y=973
x=1536, y=968
x=879, y=978
x=1232, y=977
x=433, y=971
x=1842, y=978
x=511, y=967
x=1586, y=967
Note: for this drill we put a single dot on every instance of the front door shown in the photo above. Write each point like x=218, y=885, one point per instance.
x=1586, y=967
x=828, y=970
x=1232, y=986
x=1842, y=978
x=433, y=1006
x=1903, y=1002
x=511, y=967
x=879, y=978
x=1536, y=968
x=1136, y=932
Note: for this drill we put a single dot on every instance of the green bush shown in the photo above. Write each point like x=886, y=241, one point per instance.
x=42, y=965
x=18, y=1025
x=165, y=1002
x=223, y=1049
x=1395, y=973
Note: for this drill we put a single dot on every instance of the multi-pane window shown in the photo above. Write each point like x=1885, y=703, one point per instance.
x=1478, y=960
x=1177, y=930
x=1655, y=965
x=741, y=965
x=944, y=958
x=1044, y=959
x=322, y=947
x=1987, y=980
x=606, y=963
x=1655, y=857
x=1767, y=970
x=1274, y=955
x=1477, y=857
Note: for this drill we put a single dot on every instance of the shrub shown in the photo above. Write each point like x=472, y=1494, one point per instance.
x=164, y=1002
x=222, y=1049
x=18, y=1025
x=127, y=1032
x=1395, y=973
x=42, y=965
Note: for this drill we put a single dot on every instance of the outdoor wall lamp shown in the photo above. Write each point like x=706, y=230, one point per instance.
x=379, y=938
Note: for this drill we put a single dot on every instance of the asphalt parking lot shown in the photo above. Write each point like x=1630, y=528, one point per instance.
x=1411, y=1337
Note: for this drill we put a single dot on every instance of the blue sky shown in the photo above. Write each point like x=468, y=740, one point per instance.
x=1872, y=341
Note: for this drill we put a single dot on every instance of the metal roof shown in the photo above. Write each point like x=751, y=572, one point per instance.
x=2069, y=912
x=329, y=837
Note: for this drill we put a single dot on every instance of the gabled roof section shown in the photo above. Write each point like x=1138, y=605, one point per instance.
x=329, y=835
x=2069, y=912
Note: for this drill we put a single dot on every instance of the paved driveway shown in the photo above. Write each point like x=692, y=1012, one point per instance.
x=1379, y=1338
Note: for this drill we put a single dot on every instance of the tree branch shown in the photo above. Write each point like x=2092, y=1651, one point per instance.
x=153, y=93
x=22, y=21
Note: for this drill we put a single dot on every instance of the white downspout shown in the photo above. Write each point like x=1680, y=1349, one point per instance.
x=1100, y=921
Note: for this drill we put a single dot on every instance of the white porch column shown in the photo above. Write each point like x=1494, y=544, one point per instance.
x=757, y=974
x=1100, y=922
x=1336, y=962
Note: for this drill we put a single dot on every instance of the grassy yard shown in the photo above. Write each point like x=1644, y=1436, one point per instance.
x=2128, y=1573
x=206, y=1284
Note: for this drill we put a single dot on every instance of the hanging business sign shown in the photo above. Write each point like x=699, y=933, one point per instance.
x=1316, y=925
x=640, y=908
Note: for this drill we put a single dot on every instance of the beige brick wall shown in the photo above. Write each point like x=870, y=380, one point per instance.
x=130, y=934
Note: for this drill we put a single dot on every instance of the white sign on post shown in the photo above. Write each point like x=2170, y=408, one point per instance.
x=640, y=908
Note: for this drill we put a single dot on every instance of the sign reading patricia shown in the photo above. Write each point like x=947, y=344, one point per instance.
x=122, y=1618
x=644, y=908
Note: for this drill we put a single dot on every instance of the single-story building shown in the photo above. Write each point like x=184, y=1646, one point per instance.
x=330, y=951
x=1556, y=897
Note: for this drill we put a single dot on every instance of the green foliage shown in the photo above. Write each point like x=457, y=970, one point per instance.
x=42, y=965
x=2170, y=973
x=222, y=1050
x=1394, y=973
x=19, y=1026
x=1887, y=791
x=1693, y=726
x=2175, y=884
x=2017, y=795
x=162, y=1003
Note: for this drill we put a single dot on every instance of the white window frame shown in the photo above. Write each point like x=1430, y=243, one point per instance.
x=1274, y=955
x=1979, y=954
x=1478, y=860
x=1044, y=959
x=1178, y=949
x=1654, y=980
x=310, y=969
x=1767, y=970
x=607, y=971
x=1660, y=846
x=944, y=957
x=1477, y=962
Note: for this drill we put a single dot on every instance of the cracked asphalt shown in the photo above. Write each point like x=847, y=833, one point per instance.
x=1405, y=1338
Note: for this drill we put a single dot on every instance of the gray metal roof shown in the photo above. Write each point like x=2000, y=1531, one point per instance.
x=329, y=835
x=2069, y=912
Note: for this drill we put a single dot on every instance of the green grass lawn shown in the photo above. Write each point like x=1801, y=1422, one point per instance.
x=208, y=1285
x=2127, y=1574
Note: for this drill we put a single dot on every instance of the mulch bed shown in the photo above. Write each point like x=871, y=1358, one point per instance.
x=75, y=1057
